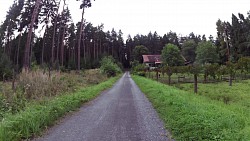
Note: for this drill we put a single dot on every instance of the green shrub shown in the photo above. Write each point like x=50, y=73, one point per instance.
x=138, y=68
x=109, y=67
x=5, y=67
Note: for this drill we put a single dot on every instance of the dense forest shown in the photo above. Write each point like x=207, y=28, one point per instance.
x=36, y=32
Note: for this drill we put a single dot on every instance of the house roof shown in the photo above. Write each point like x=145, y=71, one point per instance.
x=151, y=58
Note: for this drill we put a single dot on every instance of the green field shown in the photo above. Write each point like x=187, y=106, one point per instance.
x=203, y=116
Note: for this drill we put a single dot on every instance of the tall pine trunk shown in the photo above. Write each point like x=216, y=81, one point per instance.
x=42, y=59
x=54, y=34
x=79, y=43
x=62, y=46
x=63, y=35
x=28, y=42
x=18, y=48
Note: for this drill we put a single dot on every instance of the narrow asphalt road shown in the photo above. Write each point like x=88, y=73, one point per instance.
x=121, y=113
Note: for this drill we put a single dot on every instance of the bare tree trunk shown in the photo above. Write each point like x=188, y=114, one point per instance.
x=169, y=79
x=18, y=48
x=230, y=80
x=42, y=60
x=58, y=44
x=112, y=48
x=94, y=51
x=13, y=79
x=27, y=46
x=79, y=43
x=53, y=43
x=54, y=34
x=31, y=50
x=62, y=46
x=84, y=47
x=195, y=83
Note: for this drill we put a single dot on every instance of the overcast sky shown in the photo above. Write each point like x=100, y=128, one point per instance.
x=143, y=16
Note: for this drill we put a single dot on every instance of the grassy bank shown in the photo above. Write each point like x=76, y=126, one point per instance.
x=194, y=117
x=38, y=85
x=36, y=117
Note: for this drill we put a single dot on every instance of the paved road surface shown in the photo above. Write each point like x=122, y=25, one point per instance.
x=122, y=113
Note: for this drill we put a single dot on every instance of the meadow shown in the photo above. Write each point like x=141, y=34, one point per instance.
x=217, y=112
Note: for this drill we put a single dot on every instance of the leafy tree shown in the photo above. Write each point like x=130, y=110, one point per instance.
x=171, y=55
x=221, y=42
x=210, y=70
x=243, y=65
x=188, y=50
x=138, y=51
x=206, y=53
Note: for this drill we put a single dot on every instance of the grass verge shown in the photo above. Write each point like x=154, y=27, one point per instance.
x=37, y=117
x=193, y=117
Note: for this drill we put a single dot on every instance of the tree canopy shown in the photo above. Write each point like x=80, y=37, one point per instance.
x=171, y=55
x=206, y=53
x=138, y=51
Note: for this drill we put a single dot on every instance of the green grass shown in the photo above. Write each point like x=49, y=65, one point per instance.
x=239, y=93
x=37, y=117
x=194, y=117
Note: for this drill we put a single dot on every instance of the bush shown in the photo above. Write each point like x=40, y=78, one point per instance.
x=109, y=67
x=5, y=67
x=138, y=68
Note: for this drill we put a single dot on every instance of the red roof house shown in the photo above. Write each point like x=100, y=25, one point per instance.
x=152, y=60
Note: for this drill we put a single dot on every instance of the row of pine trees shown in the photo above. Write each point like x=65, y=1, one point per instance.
x=42, y=32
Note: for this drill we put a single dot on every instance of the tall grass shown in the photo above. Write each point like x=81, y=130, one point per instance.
x=194, y=117
x=38, y=86
x=239, y=93
x=37, y=117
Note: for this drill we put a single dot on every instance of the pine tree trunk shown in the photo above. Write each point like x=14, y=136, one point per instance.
x=79, y=43
x=113, y=49
x=53, y=42
x=42, y=60
x=58, y=44
x=62, y=46
x=84, y=47
x=27, y=46
x=63, y=36
x=18, y=48
x=94, y=51
x=54, y=34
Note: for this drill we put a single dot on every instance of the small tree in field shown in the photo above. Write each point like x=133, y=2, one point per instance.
x=171, y=56
x=231, y=70
x=195, y=70
x=243, y=65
